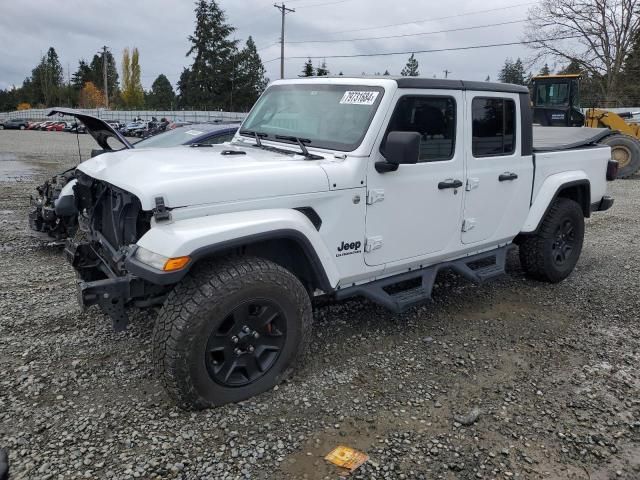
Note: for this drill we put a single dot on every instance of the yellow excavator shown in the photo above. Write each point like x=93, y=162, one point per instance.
x=556, y=103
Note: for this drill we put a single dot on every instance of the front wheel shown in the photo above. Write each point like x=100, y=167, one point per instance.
x=230, y=330
x=551, y=254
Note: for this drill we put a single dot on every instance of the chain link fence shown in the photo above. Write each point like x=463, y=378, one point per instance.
x=195, y=116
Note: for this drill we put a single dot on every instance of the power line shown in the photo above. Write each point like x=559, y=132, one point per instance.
x=323, y=4
x=269, y=46
x=475, y=12
x=435, y=50
x=409, y=34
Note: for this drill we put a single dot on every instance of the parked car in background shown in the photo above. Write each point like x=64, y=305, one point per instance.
x=130, y=128
x=15, y=124
x=34, y=125
x=44, y=125
x=53, y=215
x=56, y=127
x=197, y=134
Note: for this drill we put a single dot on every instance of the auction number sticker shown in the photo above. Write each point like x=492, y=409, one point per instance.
x=354, y=97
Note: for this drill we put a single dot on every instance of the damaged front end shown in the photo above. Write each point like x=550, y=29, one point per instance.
x=52, y=215
x=111, y=221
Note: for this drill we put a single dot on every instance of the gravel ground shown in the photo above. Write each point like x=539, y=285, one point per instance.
x=550, y=371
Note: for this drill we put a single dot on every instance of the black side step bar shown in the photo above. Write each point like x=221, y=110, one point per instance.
x=399, y=302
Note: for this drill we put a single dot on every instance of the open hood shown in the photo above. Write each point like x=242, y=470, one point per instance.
x=100, y=130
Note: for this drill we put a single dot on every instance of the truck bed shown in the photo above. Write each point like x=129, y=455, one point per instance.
x=549, y=139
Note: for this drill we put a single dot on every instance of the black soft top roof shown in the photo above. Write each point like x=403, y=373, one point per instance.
x=446, y=84
x=548, y=139
x=443, y=84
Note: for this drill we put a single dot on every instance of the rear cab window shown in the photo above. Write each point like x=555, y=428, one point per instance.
x=493, y=126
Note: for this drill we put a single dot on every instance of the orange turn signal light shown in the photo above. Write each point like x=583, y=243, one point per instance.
x=176, y=263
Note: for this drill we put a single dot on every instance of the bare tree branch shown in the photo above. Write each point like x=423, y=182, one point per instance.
x=604, y=31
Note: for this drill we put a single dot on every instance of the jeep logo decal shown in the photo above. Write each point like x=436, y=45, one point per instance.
x=348, y=248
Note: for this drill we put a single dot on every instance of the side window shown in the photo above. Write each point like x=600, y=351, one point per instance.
x=218, y=139
x=434, y=118
x=494, y=126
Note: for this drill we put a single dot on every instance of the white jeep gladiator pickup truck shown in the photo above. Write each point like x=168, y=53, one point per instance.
x=333, y=186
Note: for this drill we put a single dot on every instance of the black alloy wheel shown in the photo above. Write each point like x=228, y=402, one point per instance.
x=247, y=343
x=564, y=242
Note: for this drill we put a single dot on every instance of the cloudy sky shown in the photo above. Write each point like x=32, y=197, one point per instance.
x=159, y=28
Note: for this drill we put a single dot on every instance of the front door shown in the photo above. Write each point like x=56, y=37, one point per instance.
x=415, y=211
x=499, y=178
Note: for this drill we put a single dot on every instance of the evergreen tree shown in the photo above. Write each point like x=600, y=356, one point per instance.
x=249, y=77
x=322, y=70
x=573, y=67
x=386, y=73
x=341, y=74
x=308, y=70
x=214, y=55
x=184, y=83
x=513, y=72
x=132, y=93
x=161, y=96
x=46, y=80
x=411, y=68
x=81, y=76
x=488, y=79
x=96, y=76
x=545, y=70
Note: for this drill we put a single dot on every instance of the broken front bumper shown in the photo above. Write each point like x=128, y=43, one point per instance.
x=114, y=292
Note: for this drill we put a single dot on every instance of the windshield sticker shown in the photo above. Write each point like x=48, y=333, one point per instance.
x=351, y=97
x=193, y=132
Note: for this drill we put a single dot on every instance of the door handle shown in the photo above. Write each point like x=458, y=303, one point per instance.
x=507, y=176
x=449, y=183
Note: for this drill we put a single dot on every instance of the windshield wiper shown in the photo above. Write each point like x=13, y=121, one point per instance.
x=256, y=135
x=301, y=142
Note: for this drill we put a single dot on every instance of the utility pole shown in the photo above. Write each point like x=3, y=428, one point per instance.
x=446, y=73
x=283, y=10
x=69, y=85
x=104, y=76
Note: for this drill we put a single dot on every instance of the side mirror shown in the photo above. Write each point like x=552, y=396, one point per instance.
x=401, y=148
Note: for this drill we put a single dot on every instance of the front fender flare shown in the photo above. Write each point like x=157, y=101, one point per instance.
x=548, y=192
x=204, y=236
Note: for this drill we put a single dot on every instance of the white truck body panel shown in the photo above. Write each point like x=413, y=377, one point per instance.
x=494, y=209
x=415, y=219
x=373, y=224
x=554, y=169
x=199, y=176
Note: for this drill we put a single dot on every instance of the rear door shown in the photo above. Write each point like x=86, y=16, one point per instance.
x=499, y=177
x=415, y=211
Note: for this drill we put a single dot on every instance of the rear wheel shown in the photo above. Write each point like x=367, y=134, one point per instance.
x=626, y=151
x=551, y=254
x=21, y=127
x=229, y=331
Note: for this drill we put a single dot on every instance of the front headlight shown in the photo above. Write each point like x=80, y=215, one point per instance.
x=160, y=262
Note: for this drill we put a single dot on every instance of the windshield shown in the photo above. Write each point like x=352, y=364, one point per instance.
x=335, y=117
x=172, y=138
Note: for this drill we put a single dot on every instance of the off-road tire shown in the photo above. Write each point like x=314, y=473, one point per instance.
x=629, y=149
x=537, y=255
x=195, y=310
